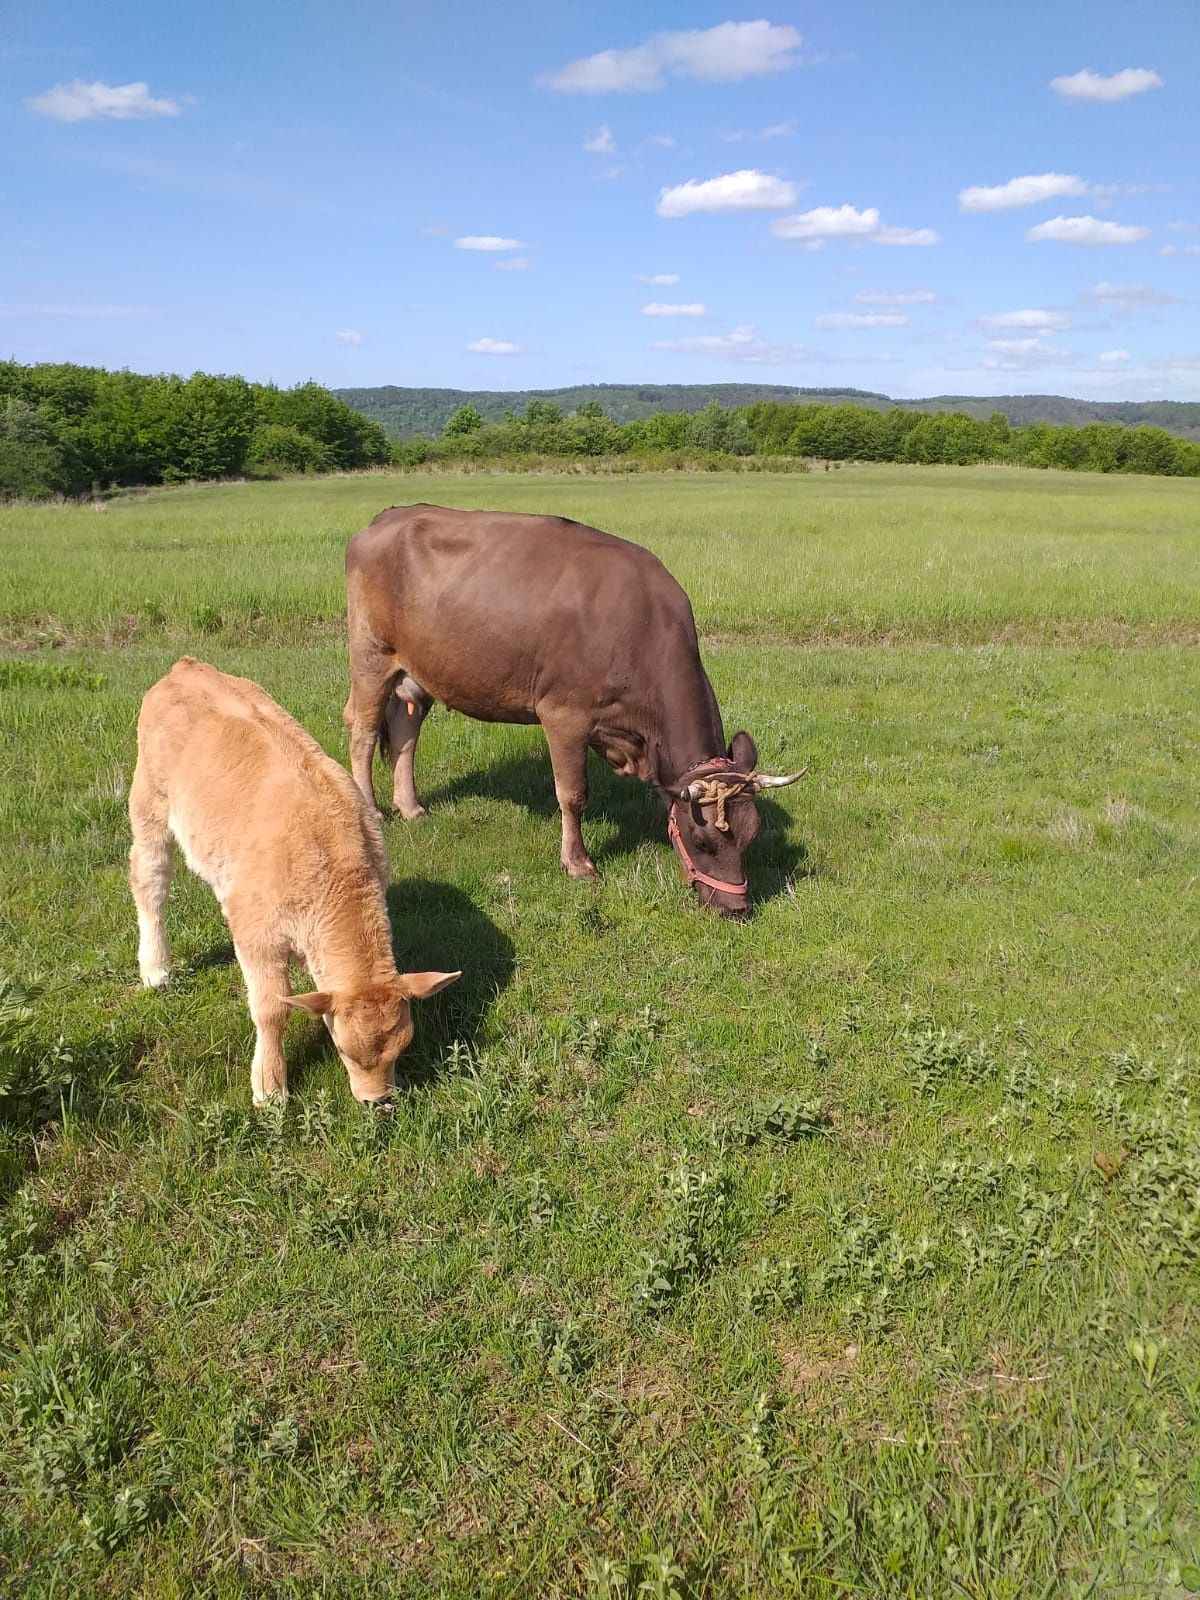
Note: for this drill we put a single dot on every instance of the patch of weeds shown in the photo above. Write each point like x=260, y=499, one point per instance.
x=542, y=1208
x=251, y=1436
x=111, y=1520
x=871, y=1262
x=75, y=1408
x=694, y=1239
x=777, y=1197
x=557, y=1344
x=775, y=1286
x=785, y=1121
x=585, y=1039
x=219, y=1129
x=206, y=618
x=938, y=1057
x=336, y=1220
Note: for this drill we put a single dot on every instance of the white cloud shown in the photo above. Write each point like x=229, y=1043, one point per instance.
x=1086, y=231
x=860, y=319
x=1044, y=321
x=657, y=308
x=1127, y=296
x=896, y=297
x=1020, y=192
x=667, y=141
x=742, y=344
x=846, y=222
x=600, y=143
x=514, y=264
x=1087, y=85
x=724, y=54
x=1017, y=355
x=80, y=101
x=1112, y=356
x=493, y=347
x=659, y=280
x=351, y=336
x=607, y=174
x=488, y=241
x=747, y=190
x=777, y=130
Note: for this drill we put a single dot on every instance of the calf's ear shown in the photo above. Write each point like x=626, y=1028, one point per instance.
x=420, y=985
x=319, y=1003
x=742, y=752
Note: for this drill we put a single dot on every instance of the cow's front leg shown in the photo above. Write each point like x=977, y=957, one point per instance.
x=568, y=756
x=267, y=985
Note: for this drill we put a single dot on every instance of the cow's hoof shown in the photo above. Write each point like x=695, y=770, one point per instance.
x=155, y=977
x=581, y=869
x=413, y=814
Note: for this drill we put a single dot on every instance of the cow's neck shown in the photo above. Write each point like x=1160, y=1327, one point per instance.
x=691, y=732
x=348, y=943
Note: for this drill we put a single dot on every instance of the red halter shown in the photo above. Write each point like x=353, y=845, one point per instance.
x=694, y=875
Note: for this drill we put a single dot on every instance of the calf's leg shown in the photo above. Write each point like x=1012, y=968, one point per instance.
x=568, y=756
x=151, y=864
x=266, y=975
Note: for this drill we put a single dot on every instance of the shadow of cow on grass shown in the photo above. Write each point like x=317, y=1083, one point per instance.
x=633, y=811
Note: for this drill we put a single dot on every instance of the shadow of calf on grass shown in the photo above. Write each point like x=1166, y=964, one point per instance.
x=435, y=928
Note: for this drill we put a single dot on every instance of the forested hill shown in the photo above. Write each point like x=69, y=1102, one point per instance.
x=408, y=413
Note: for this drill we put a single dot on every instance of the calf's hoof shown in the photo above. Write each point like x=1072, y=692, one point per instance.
x=154, y=977
x=409, y=814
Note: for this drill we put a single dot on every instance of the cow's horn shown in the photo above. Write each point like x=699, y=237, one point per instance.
x=764, y=780
x=695, y=791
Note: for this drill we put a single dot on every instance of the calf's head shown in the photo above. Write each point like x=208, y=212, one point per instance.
x=372, y=1026
x=716, y=821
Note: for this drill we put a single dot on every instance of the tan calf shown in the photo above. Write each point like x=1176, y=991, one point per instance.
x=294, y=854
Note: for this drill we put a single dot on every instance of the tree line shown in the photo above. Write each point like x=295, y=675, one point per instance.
x=66, y=429
x=71, y=430
x=780, y=432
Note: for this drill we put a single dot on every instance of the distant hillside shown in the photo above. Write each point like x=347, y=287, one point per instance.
x=409, y=413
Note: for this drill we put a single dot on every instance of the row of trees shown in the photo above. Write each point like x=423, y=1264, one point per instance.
x=67, y=429
x=826, y=432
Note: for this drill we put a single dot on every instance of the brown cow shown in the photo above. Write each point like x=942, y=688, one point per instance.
x=514, y=618
x=282, y=836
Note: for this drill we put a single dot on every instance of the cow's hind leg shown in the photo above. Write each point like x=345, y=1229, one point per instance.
x=151, y=864
x=372, y=671
x=568, y=756
x=406, y=711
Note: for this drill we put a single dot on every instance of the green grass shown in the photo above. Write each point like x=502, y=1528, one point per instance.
x=697, y=1259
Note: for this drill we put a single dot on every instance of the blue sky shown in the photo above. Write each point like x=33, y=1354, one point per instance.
x=889, y=197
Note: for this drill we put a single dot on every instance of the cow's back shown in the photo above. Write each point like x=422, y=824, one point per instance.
x=494, y=612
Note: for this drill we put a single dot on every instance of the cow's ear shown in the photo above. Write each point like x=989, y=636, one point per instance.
x=421, y=985
x=319, y=1003
x=742, y=752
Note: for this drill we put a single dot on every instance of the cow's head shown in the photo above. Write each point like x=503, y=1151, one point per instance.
x=372, y=1026
x=715, y=821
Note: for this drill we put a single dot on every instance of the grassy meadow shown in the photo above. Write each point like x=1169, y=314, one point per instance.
x=853, y=1251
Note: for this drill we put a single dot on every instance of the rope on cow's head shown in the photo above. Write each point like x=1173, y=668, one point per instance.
x=719, y=792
